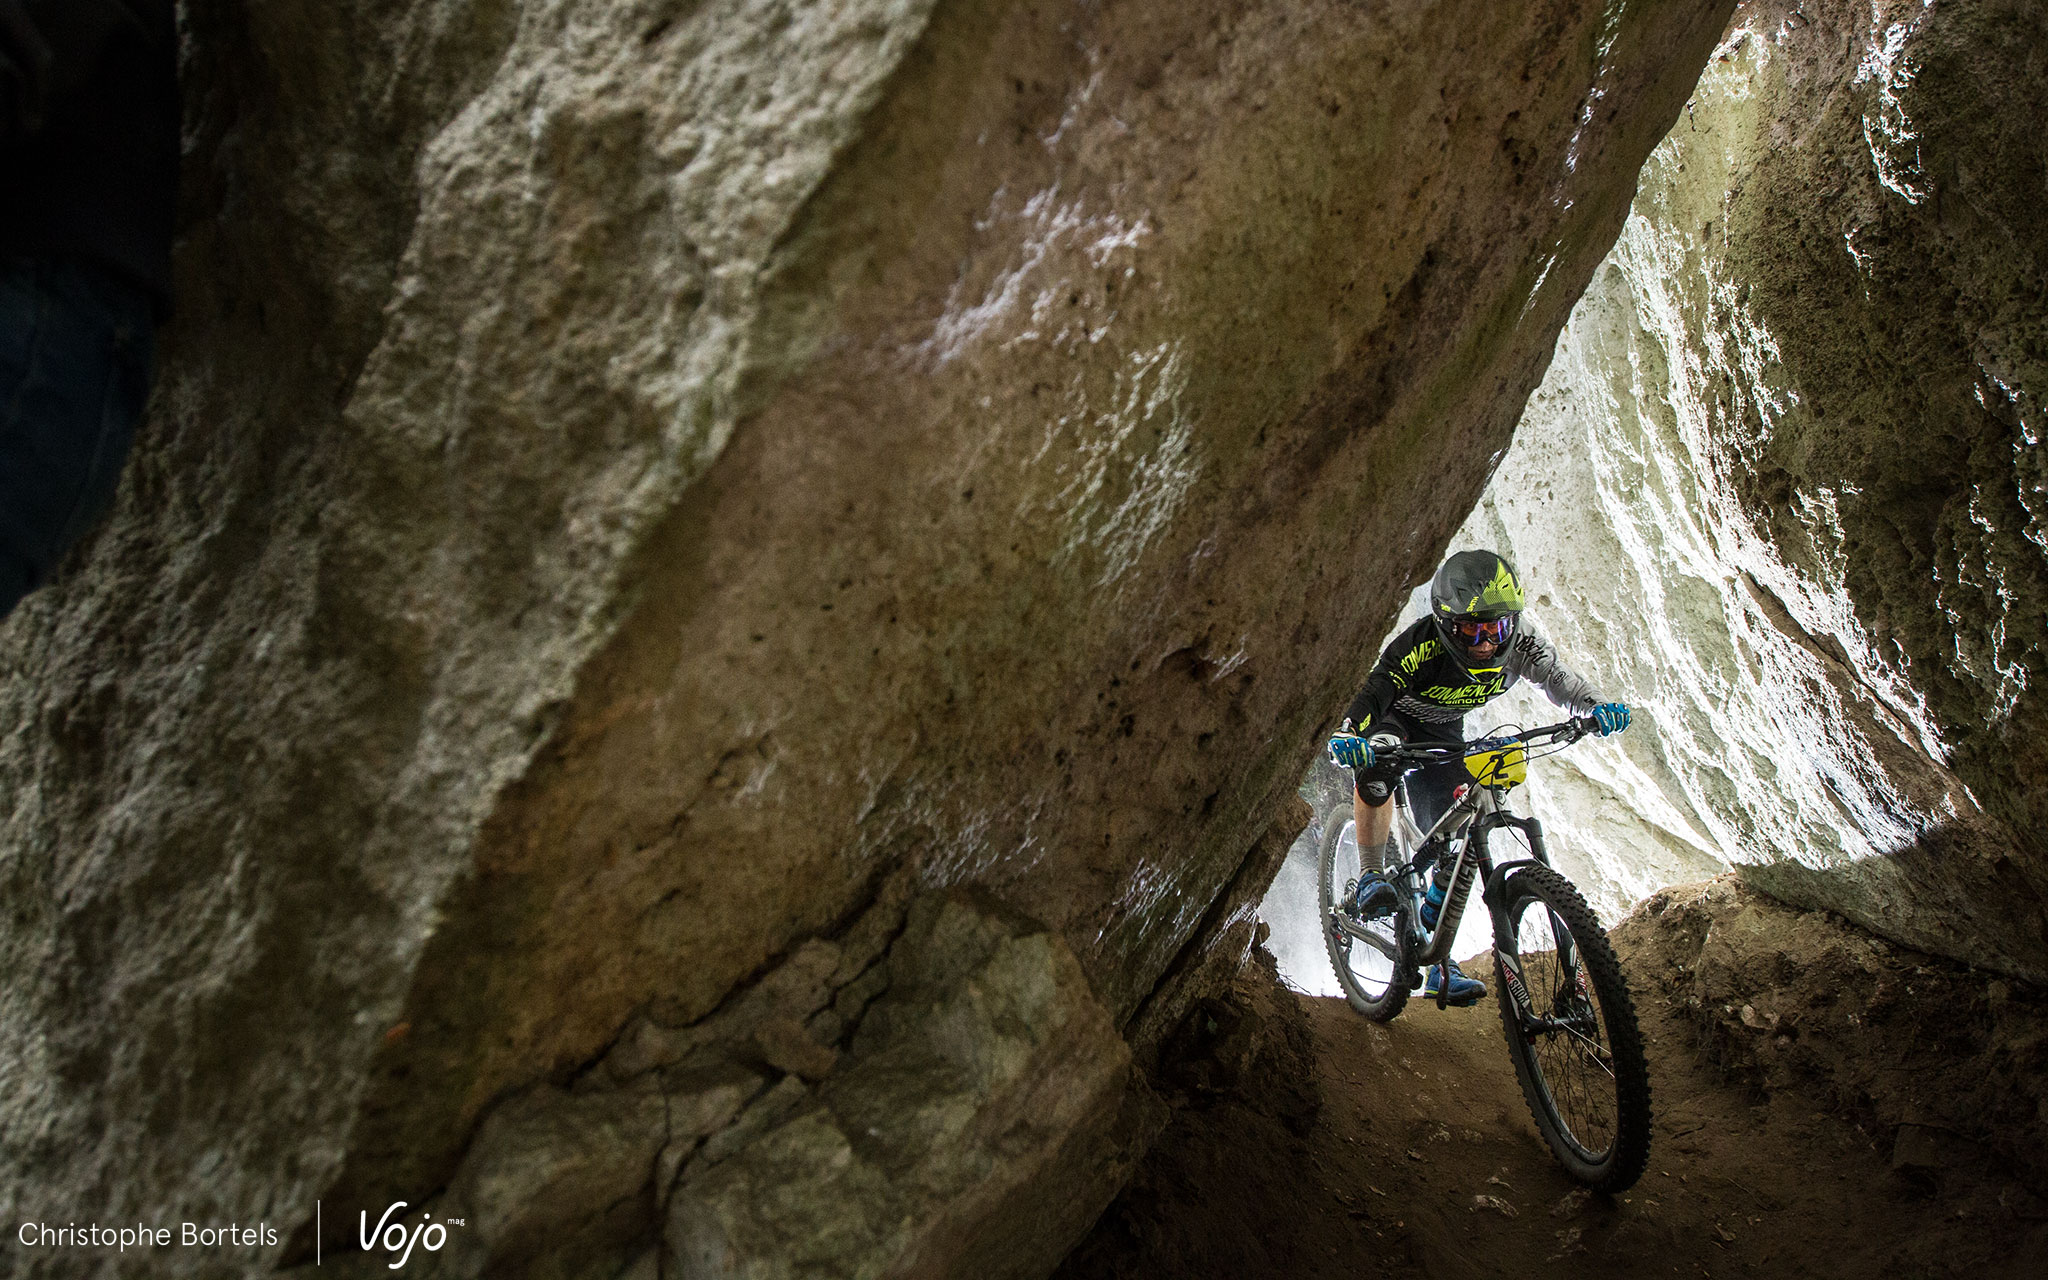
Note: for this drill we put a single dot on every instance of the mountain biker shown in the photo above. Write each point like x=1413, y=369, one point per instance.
x=1471, y=649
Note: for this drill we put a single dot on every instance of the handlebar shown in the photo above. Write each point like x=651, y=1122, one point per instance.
x=1412, y=755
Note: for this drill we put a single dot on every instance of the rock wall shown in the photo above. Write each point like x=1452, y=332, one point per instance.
x=1936, y=1061
x=1781, y=485
x=639, y=493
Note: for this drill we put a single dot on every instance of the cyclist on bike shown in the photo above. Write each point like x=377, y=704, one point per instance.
x=1469, y=650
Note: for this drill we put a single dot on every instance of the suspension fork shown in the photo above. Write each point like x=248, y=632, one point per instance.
x=1506, y=948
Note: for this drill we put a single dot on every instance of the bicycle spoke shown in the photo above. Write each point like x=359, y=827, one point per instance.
x=1384, y=945
x=1592, y=1049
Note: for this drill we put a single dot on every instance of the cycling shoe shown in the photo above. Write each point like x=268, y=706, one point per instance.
x=1462, y=990
x=1375, y=896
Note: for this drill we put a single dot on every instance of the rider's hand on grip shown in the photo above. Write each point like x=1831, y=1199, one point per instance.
x=1610, y=717
x=1348, y=751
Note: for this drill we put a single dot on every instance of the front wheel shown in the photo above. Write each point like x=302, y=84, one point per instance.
x=1366, y=953
x=1579, y=1053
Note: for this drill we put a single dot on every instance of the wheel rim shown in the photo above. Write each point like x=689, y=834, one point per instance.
x=1570, y=1050
x=1367, y=951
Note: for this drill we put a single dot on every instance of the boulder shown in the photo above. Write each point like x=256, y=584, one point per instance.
x=985, y=1115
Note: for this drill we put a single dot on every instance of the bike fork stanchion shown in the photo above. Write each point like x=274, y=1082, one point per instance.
x=1506, y=950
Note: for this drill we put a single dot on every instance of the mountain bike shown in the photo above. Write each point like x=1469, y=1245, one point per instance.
x=1564, y=1006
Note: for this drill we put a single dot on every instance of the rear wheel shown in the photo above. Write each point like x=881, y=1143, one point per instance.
x=1366, y=954
x=1580, y=1059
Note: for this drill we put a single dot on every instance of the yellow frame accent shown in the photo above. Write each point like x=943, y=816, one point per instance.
x=1508, y=767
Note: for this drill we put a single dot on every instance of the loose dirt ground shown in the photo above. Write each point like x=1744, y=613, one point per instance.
x=1421, y=1160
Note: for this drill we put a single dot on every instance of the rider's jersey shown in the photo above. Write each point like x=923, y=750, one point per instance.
x=1417, y=677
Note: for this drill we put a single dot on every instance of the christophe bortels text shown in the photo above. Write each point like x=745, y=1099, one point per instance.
x=42, y=1235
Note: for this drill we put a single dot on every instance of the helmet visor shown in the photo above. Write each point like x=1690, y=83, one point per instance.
x=1483, y=630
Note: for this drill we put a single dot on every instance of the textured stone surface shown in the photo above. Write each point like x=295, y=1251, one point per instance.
x=1222, y=944
x=984, y=1117
x=981, y=1109
x=634, y=484
x=1938, y=1060
x=1896, y=254
x=1779, y=488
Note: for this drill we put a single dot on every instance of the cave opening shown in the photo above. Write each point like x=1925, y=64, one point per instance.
x=1780, y=490
x=1778, y=495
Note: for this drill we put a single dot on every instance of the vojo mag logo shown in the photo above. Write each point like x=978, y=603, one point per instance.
x=394, y=1237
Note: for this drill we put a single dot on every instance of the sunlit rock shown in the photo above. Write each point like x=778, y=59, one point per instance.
x=1781, y=485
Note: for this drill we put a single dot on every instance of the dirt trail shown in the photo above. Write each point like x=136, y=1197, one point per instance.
x=1422, y=1161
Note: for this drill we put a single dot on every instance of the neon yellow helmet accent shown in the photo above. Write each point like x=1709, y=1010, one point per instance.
x=1477, y=584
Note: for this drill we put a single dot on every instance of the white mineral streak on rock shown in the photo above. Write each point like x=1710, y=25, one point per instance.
x=1894, y=141
x=1124, y=458
x=1123, y=488
x=1151, y=886
x=968, y=853
x=1045, y=226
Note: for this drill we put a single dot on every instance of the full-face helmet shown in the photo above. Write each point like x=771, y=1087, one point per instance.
x=1476, y=597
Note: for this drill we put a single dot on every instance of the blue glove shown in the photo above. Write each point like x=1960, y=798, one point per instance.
x=1347, y=752
x=1612, y=716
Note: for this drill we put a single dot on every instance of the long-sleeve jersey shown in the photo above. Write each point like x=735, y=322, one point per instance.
x=1416, y=677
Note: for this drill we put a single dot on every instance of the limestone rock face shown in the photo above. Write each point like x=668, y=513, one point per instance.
x=1780, y=487
x=640, y=491
x=976, y=1127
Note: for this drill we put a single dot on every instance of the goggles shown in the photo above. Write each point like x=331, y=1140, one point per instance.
x=1483, y=630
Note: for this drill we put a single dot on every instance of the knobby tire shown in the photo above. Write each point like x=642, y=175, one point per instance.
x=1561, y=1094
